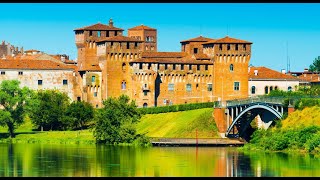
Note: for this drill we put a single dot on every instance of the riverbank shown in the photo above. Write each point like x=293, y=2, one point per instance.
x=187, y=124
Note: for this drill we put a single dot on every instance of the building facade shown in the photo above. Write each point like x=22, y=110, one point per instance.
x=206, y=70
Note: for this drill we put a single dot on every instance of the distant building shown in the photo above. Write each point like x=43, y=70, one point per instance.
x=263, y=80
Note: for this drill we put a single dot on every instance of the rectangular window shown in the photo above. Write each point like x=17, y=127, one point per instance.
x=90, y=33
x=244, y=47
x=236, y=86
x=20, y=73
x=171, y=87
x=140, y=65
x=190, y=67
x=95, y=94
x=98, y=33
x=93, y=79
x=236, y=47
x=209, y=87
x=128, y=45
x=174, y=67
x=206, y=67
x=78, y=98
x=182, y=66
x=3, y=72
x=145, y=93
x=115, y=33
x=65, y=82
x=107, y=33
x=195, y=50
x=165, y=66
x=188, y=87
x=39, y=82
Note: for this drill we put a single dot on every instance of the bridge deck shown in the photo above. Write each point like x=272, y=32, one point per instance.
x=197, y=142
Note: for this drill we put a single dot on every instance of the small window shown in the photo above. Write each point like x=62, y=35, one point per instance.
x=271, y=88
x=206, y=67
x=253, y=90
x=149, y=65
x=195, y=50
x=182, y=66
x=90, y=33
x=266, y=90
x=145, y=105
x=231, y=67
x=289, y=88
x=128, y=45
x=220, y=46
x=115, y=33
x=135, y=44
x=78, y=98
x=236, y=47
x=228, y=46
x=174, y=67
x=209, y=87
x=198, y=67
x=244, y=47
x=140, y=65
x=236, y=86
x=107, y=33
x=3, y=72
x=65, y=82
x=39, y=82
x=20, y=73
x=123, y=66
x=188, y=87
x=171, y=87
x=93, y=79
x=190, y=67
x=276, y=88
x=95, y=94
x=145, y=93
x=97, y=106
x=123, y=85
x=166, y=66
x=99, y=33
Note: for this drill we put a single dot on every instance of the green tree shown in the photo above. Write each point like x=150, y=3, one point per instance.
x=48, y=110
x=13, y=100
x=79, y=113
x=115, y=122
x=315, y=66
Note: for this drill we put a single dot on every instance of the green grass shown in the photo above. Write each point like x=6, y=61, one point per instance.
x=183, y=124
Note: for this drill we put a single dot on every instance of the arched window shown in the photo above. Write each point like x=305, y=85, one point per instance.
x=145, y=105
x=123, y=85
x=271, y=88
x=276, y=88
x=231, y=67
x=266, y=90
x=253, y=89
x=289, y=88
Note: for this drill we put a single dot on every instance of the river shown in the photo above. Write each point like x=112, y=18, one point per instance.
x=55, y=160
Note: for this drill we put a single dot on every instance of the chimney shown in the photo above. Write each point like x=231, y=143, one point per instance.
x=283, y=71
x=110, y=22
x=63, y=59
x=256, y=72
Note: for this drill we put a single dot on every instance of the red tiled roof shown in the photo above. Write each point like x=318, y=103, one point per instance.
x=310, y=77
x=269, y=74
x=142, y=27
x=32, y=64
x=163, y=54
x=93, y=67
x=119, y=39
x=31, y=50
x=97, y=27
x=198, y=39
x=227, y=39
x=201, y=56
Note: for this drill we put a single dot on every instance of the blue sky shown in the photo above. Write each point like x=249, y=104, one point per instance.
x=49, y=27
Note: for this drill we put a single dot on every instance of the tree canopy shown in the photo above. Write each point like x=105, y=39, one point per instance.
x=315, y=66
x=79, y=113
x=13, y=101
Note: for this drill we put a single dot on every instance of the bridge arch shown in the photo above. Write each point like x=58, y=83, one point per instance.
x=255, y=106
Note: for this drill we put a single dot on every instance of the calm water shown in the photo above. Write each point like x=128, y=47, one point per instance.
x=96, y=160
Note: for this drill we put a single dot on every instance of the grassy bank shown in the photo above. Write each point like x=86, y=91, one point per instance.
x=169, y=125
x=183, y=124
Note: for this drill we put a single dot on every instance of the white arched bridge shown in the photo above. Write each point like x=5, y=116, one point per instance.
x=235, y=116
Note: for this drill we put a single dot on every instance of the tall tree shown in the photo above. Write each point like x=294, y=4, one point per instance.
x=79, y=113
x=115, y=122
x=13, y=101
x=48, y=109
x=315, y=66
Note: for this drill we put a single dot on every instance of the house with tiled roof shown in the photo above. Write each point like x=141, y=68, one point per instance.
x=263, y=80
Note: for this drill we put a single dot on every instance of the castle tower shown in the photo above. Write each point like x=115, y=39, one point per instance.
x=88, y=63
x=194, y=45
x=231, y=58
x=147, y=35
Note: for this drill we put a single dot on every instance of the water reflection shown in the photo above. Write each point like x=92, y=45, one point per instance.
x=39, y=160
